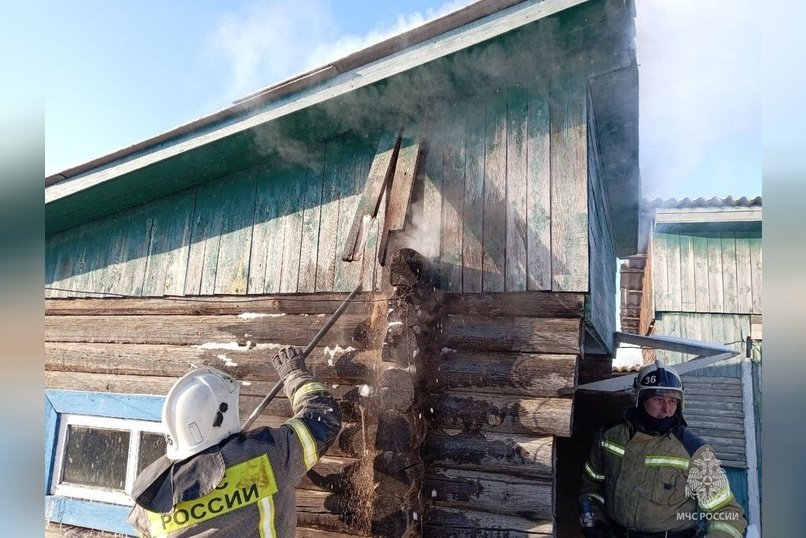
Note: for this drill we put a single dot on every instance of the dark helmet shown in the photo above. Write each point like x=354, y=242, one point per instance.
x=655, y=379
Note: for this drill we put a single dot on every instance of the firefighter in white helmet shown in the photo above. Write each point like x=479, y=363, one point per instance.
x=215, y=480
x=650, y=477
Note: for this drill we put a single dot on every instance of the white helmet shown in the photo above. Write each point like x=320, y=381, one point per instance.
x=201, y=409
x=656, y=378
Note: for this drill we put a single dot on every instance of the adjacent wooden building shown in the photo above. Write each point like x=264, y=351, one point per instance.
x=476, y=178
x=698, y=275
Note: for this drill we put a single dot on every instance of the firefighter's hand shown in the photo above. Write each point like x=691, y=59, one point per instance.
x=288, y=360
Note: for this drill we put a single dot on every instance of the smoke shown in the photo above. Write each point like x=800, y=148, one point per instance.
x=700, y=97
x=272, y=40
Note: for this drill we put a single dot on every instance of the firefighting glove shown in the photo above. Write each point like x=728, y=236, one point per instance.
x=289, y=362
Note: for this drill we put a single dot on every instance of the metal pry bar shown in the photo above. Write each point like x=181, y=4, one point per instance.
x=325, y=328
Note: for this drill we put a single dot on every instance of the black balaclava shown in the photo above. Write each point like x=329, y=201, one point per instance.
x=657, y=425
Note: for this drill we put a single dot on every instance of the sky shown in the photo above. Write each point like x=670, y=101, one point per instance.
x=120, y=72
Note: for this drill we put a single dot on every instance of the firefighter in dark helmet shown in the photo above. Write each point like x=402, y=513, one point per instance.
x=651, y=477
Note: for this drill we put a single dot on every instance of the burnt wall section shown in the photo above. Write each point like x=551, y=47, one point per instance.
x=500, y=391
x=411, y=337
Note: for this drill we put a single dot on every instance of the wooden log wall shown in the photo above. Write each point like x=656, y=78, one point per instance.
x=141, y=346
x=500, y=393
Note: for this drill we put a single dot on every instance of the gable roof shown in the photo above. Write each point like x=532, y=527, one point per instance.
x=222, y=142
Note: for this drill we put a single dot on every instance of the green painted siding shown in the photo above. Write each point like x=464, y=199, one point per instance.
x=716, y=271
x=501, y=203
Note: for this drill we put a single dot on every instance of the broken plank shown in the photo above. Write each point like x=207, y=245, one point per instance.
x=381, y=171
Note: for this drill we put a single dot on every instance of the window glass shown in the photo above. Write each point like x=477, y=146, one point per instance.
x=96, y=457
x=152, y=446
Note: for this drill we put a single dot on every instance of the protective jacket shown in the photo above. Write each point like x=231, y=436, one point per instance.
x=656, y=482
x=244, y=486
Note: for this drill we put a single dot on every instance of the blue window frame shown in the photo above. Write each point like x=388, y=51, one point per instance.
x=60, y=405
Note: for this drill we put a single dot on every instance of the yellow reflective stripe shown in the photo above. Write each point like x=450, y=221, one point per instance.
x=715, y=501
x=266, y=524
x=306, y=440
x=610, y=446
x=726, y=528
x=666, y=461
x=306, y=389
x=243, y=485
x=593, y=474
x=597, y=497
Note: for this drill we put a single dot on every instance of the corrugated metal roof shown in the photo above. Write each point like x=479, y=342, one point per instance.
x=716, y=201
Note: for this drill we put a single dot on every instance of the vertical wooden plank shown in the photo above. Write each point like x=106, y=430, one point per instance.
x=169, y=245
x=453, y=187
x=369, y=196
x=135, y=251
x=398, y=197
x=328, y=229
x=755, y=269
x=368, y=269
x=744, y=282
x=687, y=283
x=495, y=194
x=473, y=211
x=701, y=297
x=264, y=223
x=715, y=295
x=538, y=194
x=345, y=275
x=730, y=283
x=279, y=192
x=237, y=203
x=372, y=270
x=569, y=185
x=292, y=238
x=516, y=176
x=660, y=273
x=674, y=295
x=204, y=239
x=429, y=224
x=311, y=216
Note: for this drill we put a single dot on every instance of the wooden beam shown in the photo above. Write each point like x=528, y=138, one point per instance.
x=501, y=413
x=538, y=304
x=442, y=522
x=313, y=304
x=490, y=492
x=380, y=173
x=199, y=330
x=519, y=455
x=400, y=191
x=531, y=335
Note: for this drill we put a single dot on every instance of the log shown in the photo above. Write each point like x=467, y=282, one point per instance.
x=396, y=431
x=333, y=365
x=251, y=395
x=525, y=374
x=489, y=492
x=331, y=474
x=531, y=335
x=410, y=269
x=311, y=304
x=396, y=473
x=190, y=330
x=390, y=517
x=325, y=511
x=449, y=522
x=396, y=389
x=502, y=414
x=532, y=304
x=519, y=455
